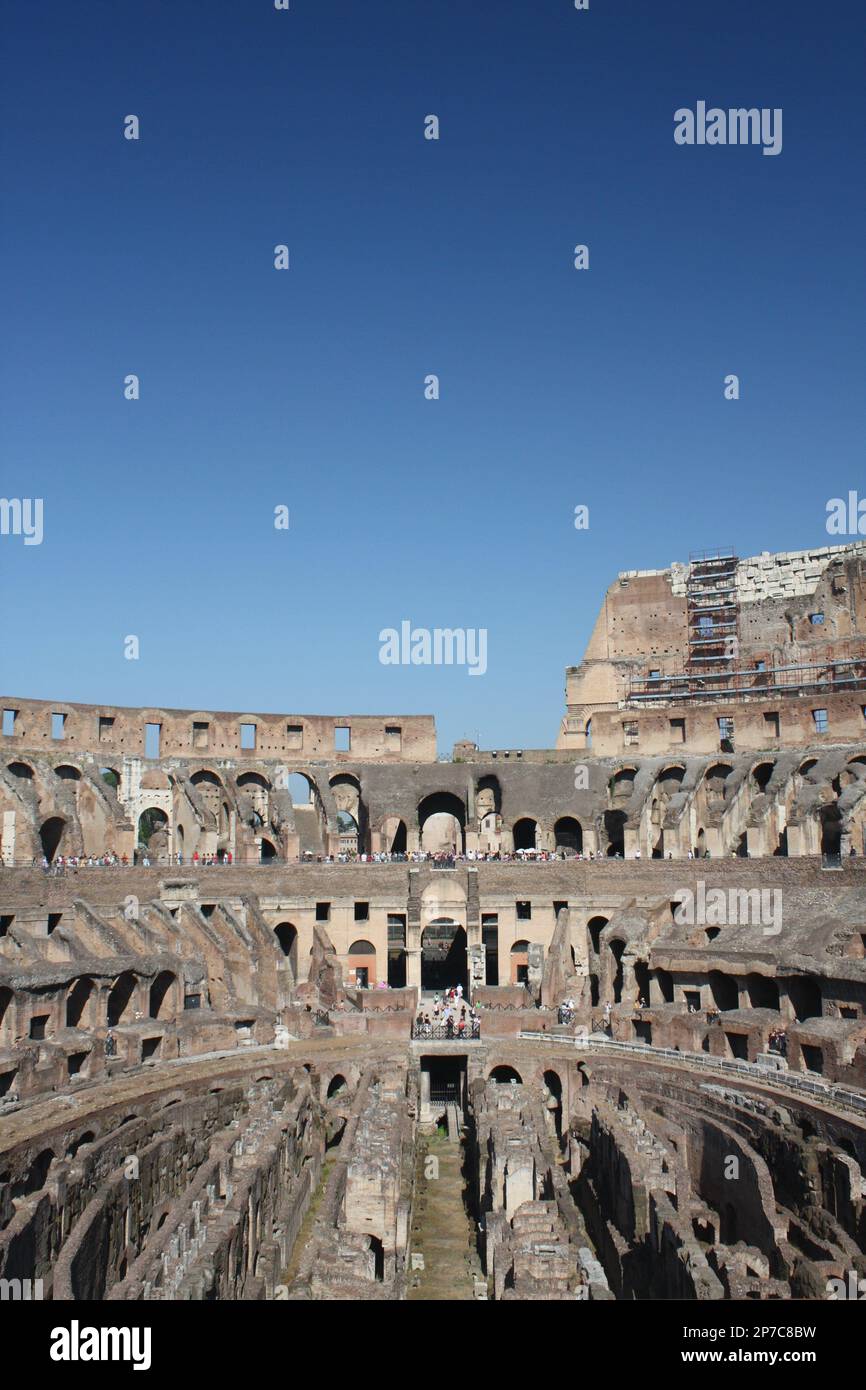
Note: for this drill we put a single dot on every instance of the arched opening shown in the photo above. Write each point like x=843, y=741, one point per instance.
x=336, y=1085
x=22, y=770
x=394, y=835
x=444, y=963
x=553, y=1105
x=287, y=938
x=300, y=789
x=665, y=981
x=526, y=834
x=110, y=776
x=622, y=783
x=595, y=926
x=831, y=830
x=268, y=851
x=781, y=850
x=362, y=964
x=120, y=998
x=617, y=948
x=761, y=775
x=763, y=992
x=36, y=1175
x=670, y=780
x=77, y=1000
x=50, y=835
x=641, y=976
x=723, y=988
x=67, y=773
x=593, y=990
x=505, y=1076
x=714, y=780
x=378, y=1250
x=442, y=823
x=568, y=835
x=804, y=993
x=351, y=811
x=520, y=963
x=159, y=991
x=152, y=822
x=179, y=838
x=614, y=828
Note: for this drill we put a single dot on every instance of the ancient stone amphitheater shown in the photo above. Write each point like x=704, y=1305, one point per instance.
x=223, y=935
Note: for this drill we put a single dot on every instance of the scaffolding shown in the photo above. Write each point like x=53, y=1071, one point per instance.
x=712, y=612
x=828, y=677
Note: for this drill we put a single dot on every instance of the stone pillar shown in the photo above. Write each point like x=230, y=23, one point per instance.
x=413, y=970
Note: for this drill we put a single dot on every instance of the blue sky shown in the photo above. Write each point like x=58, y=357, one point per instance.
x=408, y=257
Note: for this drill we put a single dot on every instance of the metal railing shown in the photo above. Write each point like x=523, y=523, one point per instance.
x=700, y=1061
x=440, y=1032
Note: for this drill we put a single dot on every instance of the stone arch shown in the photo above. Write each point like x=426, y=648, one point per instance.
x=614, y=829
x=505, y=1075
x=525, y=833
x=361, y=961
x=595, y=926
x=267, y=850
x=723, y=989
x=120, y=999
x=51, y=835
x=80, y=999
x=670, y=778
x=163, y=986
x=519, y=956
x=568, y=835
x=763, y=991
x=286, y=934
x=21, y=770
x=152, y=820
x=67, y=772
x=347, y=797
x=393, y=835
x=442, y=822
x=761, y=774
x=621, y=784
x=444, y=955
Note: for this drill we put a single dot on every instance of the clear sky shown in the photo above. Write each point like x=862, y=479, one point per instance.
x=408, y=256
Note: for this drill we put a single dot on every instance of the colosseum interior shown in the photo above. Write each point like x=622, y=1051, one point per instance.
x=223, y=1075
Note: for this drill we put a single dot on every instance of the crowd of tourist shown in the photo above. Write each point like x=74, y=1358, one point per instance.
x=450, y=1018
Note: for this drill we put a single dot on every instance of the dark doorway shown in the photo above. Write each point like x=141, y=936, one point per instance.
x=446, y=1079
x=50, y=836
x=443, y=956
x=397, y=969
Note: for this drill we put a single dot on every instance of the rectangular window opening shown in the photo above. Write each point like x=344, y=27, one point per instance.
x=152, y=735
x=342, y=738
x=58, y=725
x=248, y=737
